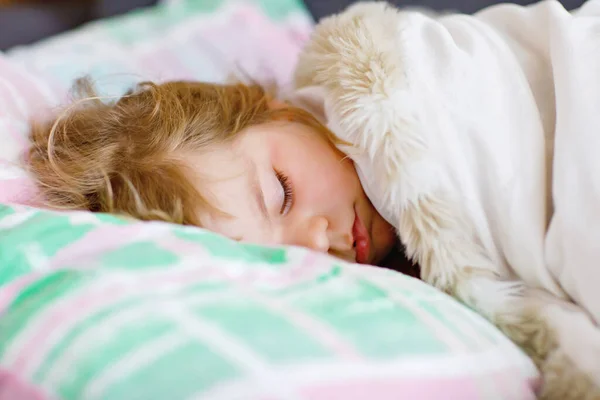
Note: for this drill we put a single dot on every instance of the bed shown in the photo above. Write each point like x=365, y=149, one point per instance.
x=94, y=306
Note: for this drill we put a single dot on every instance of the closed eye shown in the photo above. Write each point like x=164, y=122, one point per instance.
x=288, y=194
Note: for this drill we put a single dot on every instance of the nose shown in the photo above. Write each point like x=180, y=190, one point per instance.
x=316, y=235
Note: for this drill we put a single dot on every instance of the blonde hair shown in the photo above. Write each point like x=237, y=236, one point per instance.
x=121, y=157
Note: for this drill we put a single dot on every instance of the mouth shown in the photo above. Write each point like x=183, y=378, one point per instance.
x=361, y=240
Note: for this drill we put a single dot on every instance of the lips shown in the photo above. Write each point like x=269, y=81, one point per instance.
x=361, y=240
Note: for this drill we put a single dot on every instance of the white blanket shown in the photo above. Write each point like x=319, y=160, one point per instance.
x=507, y=108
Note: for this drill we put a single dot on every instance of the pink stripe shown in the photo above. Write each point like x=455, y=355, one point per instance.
x=299, y=35
x=10, y=291
x=463, y=388
x=98, y=242
x=14, y=388
x=305, y=267
x=17, y=191
x=531, y=383
x=163, y=64
x=258, y=36
x=271, y=36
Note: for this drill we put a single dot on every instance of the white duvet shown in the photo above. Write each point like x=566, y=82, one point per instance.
x=500, y=112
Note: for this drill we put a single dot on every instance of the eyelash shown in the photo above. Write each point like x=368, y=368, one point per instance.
x=287, y=192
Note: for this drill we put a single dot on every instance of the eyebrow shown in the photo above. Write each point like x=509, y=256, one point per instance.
x=259, y=195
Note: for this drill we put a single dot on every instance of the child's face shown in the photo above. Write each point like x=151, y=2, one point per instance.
x=283, y=183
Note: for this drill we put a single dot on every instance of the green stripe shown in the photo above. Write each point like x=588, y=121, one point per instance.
x=280, y=9
x=5, y=211
x=35, y=299
x=106, y=349
x=221, y=247
x=304, y=286
x=138, y=26
x=140, y=255
x=364, y=315
x=49, y=232
x=271, y=335
x=201, y=368
x=114, y=219
x=13, y=265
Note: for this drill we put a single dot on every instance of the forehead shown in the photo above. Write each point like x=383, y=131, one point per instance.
x=224, y=176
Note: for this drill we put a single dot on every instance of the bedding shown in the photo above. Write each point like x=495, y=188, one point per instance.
x=98, y=307
x=95, y=307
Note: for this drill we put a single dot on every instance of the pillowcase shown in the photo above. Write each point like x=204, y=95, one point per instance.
x=96, y=307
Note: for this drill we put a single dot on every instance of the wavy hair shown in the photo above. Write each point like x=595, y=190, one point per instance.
x=124, y=157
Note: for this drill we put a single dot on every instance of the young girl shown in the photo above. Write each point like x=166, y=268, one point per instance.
x=228, y=158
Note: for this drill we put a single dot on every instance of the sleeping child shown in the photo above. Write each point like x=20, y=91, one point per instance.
x=439, y=131
x=228, y=158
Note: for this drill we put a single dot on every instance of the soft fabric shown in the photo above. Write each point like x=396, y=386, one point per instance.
x=94, y=307
x=478, y=134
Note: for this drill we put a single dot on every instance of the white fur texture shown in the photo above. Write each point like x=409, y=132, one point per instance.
x=451, y=133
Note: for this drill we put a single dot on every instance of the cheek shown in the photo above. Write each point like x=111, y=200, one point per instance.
x=330, y=179
x=317, y=170
x=332, y=168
